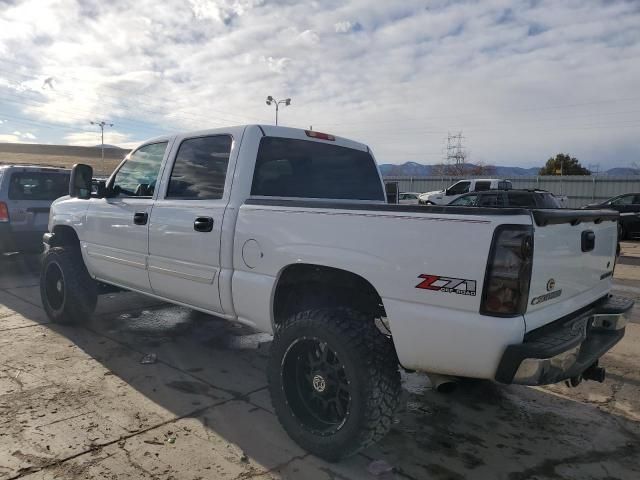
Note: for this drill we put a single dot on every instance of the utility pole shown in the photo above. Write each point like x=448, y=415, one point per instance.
x=102, y=124
x=272, y=101
x=455, y=152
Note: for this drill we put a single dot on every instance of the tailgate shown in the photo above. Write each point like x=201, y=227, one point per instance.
x=30, y=193
x=573, y=261
x=28, y=215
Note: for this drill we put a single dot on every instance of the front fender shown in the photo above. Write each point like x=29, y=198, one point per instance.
x=70, y=212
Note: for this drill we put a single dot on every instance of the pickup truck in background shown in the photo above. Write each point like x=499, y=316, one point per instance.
x=448, y=195
x=288, y=231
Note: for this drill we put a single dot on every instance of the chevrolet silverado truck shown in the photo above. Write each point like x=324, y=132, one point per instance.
x=288, y=231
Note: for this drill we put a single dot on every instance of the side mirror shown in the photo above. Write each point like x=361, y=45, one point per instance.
x=80, y=182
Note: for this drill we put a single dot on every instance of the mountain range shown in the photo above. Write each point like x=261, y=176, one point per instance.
x=414, y=169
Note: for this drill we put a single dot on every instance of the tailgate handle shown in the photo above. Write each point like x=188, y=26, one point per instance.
x=588, y=241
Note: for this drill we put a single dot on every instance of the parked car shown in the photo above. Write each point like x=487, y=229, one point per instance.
x=408, y=198
x=444, y=197
x=26, y=193
x=289, y=231
x=508, y=199
x=629, y=207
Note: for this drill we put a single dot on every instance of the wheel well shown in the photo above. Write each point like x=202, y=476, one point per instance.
x=305, y=286
x=66, y=236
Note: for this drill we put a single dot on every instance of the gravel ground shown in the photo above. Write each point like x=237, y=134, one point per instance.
x=78, y=403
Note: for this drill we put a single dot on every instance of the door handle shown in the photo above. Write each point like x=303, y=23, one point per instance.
x=140, y=218
x=203, y=224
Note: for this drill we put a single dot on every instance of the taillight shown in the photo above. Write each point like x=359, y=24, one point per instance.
x=4, y=212
x=506, y=283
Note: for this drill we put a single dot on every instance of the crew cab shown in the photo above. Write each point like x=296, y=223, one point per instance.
x=288, y=231
x=446, y=196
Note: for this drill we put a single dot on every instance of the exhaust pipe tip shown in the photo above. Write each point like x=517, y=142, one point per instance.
x=447, y=387
x=443, y=383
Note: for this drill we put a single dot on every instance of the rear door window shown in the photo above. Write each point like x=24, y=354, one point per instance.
x=38, y=185
x=521, y=199
x=200, y=168
x=288, y=167
x=482, y=186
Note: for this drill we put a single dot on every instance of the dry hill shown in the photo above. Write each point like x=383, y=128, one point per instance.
x=61, y=156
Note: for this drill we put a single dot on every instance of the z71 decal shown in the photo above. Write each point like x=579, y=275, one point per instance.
x=461, y=286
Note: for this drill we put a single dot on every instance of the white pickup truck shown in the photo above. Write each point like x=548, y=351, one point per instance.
x=288, y=231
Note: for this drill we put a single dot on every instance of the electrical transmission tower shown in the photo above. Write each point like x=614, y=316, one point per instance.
x=456, y=154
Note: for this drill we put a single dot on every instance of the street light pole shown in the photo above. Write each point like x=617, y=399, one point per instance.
x=102, y=124
x=272, y=101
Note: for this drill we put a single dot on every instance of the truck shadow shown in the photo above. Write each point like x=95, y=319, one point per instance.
x=210, y=374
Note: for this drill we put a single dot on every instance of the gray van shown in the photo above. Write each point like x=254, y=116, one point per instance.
x=26, y=193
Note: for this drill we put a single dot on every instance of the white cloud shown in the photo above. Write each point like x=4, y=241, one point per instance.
x=18, y=137
x=346, y=26
x=521, y=79
x=8, y=138
x=278, y=65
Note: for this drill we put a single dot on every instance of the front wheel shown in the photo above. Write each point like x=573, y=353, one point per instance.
x=334, y=381
x=69, y=294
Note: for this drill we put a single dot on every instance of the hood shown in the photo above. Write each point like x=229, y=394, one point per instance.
x=434, y=192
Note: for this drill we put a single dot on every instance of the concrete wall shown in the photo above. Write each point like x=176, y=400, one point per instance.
x=580, y=189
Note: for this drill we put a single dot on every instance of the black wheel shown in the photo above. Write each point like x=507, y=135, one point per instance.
x=334, y=381
x=68, y=293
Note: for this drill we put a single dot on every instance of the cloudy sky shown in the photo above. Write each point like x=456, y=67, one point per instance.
x=522, y=80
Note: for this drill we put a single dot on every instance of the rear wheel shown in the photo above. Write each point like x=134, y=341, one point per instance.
x=68, y=293
x=334, y=381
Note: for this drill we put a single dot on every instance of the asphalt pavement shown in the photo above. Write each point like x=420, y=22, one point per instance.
x=148, y=390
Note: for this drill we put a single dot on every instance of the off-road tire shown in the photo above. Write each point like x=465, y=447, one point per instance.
x=79, y=296
x=370, y=363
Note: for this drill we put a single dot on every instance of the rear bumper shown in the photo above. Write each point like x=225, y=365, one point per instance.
x=17, y=241
x=567, y=347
